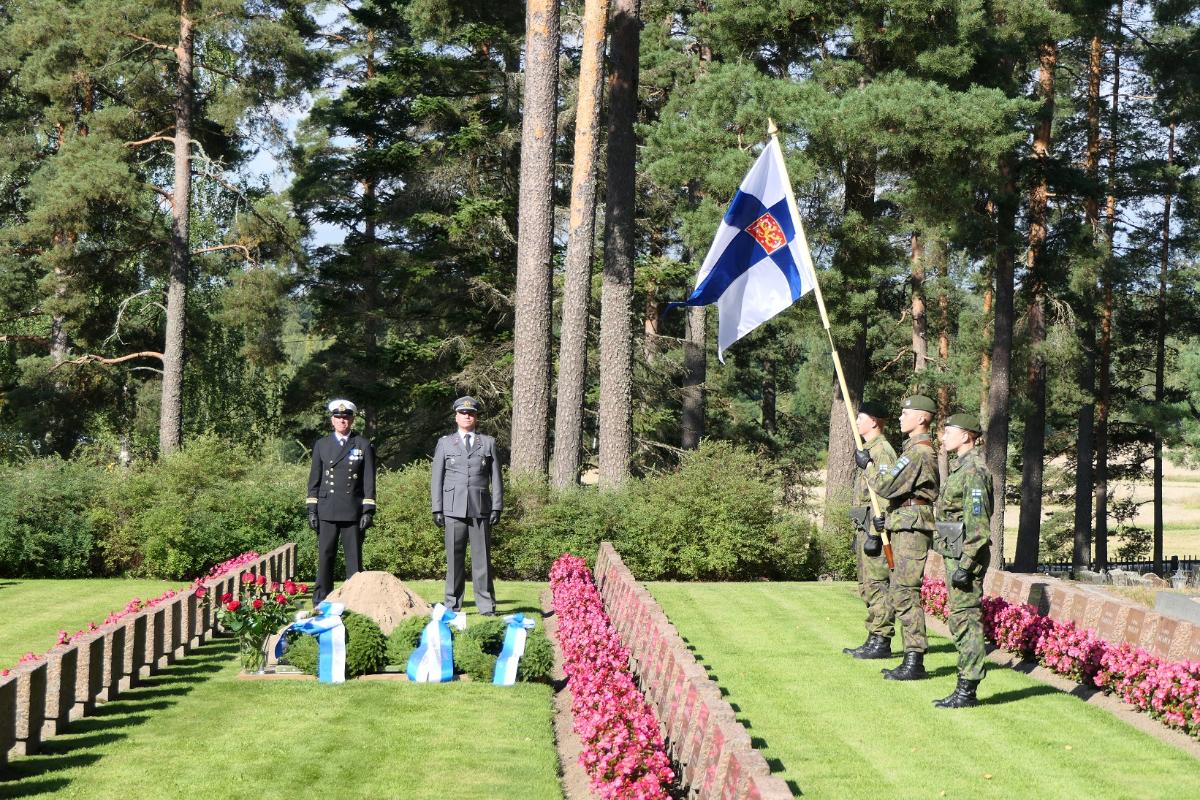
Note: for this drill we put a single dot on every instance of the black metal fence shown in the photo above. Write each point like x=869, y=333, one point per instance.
x=1171, y=565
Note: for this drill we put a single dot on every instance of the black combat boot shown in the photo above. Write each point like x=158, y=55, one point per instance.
x=876, y=646
x=854, y=651
x=912, y=668
x=963, y=696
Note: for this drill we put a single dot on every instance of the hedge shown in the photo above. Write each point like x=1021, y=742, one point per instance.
x=716, y=517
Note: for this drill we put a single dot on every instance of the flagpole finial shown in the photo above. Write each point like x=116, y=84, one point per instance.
x=771, y=129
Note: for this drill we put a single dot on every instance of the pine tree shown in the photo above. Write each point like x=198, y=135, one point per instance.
x=535, y=228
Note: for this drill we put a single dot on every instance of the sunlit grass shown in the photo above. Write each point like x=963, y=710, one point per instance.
x=834, y=728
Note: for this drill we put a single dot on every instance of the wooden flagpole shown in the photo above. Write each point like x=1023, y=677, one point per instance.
x=837, y=362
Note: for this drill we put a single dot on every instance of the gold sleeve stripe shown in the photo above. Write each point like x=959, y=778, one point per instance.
x=311, y=500
x=368, y=502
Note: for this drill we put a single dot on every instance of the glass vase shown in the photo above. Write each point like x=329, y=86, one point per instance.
x=252, y=652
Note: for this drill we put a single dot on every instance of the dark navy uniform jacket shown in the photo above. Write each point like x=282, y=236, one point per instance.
x=466, y=484
x=342, y=479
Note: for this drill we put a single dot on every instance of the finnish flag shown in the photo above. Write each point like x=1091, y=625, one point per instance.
x=759, y=262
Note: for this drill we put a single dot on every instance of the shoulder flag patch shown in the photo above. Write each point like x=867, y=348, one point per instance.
x=901, y=464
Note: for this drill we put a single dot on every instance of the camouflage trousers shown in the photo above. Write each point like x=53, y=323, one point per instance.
x=873, y=579
x=965, y=621
x=910, y=549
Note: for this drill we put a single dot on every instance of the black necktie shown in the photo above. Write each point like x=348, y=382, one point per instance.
x=467, y=441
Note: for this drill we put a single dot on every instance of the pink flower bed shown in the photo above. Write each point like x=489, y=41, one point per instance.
x=1167, y=690
x=622, y=749
x=137, y=604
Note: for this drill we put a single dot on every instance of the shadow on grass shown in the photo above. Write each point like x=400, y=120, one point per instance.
x=1016, y=695
x=774, y=764
x=86, y=740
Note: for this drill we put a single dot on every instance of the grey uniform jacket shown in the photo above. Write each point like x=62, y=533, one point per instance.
x=466, y=484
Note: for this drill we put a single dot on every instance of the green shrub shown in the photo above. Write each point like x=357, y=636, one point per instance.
x=366, y=647
x=404, y=639
x=47, y=525
x=489, y=633
x=706, y=521
x=538, y=662
x=719, y=516
x=404, y=541
x=470, y=659
x=834, y=547
x=201, y=505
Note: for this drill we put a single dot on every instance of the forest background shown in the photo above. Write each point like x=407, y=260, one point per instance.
x=499, y=199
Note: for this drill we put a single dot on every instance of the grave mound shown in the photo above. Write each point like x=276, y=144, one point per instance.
x=381, y=596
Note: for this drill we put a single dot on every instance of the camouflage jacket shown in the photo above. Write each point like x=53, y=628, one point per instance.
x=882, y=458
x=913, y=476
x=967, y=498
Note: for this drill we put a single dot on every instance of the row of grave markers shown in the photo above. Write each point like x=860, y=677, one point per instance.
x=39, y=699
x=1114, y=619
x=703, y=738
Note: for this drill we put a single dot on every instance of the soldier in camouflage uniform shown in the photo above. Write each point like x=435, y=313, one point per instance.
x=911, y=487
x=873, y=572
x=964, y=513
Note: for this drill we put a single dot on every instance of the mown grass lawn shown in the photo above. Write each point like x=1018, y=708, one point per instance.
x=833, y=728
x=195, y=730
x=32, y=612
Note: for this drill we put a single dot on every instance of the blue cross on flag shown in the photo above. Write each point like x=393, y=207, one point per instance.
x=759, y=262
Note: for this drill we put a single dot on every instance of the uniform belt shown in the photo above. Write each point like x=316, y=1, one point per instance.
x=916, y=501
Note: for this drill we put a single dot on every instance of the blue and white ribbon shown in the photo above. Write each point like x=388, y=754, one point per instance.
x=331, y=641
x=514, y=648
x=433, y=660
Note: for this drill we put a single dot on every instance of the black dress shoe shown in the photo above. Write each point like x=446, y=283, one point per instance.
x=488, y=614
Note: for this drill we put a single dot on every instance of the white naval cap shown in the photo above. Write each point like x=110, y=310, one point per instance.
x=342, y=407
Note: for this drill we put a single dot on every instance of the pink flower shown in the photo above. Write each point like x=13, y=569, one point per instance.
x=304, y=588
x=261, y=580
x=200, y=591
x=233, y=605
x=622, y=749
x=225, y=598
x=257, y=603
x=247, y=577
x=281, y=598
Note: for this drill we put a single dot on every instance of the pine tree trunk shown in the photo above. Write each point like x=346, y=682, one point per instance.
x=1081, y=551
x=535, y=231
x=170, y=427
x=840, y=468
x=996, y=443
x=919, y=346
x=769, y=421
x=943, y=392
x=1034, y=444
x=695, y=366
x=1160, y=352
x=616, y=295
x=985, y=361
x=650, y=324
x=1104, y=400
x=375, y=328
x=577, y=284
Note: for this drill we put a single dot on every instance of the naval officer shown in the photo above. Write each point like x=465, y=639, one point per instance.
x=341, y=495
